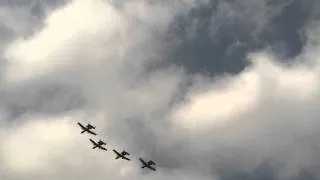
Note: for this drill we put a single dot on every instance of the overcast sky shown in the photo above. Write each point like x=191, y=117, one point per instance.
x=207, y=89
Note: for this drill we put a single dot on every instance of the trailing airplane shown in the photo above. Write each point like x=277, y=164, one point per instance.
x=98, y=144
x=87, y=128
x=121, y=155
x=147, y=164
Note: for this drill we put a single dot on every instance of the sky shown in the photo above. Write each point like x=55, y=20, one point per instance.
x=207, y=89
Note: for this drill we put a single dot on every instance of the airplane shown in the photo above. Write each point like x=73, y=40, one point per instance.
x=98, y=144
x=147, y=164
x=121, y=155
x=87, y=128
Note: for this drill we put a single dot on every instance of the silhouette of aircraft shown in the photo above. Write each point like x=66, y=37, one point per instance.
x=87, y=128
x=98, y=144
x=121, y=155
x=147, y=164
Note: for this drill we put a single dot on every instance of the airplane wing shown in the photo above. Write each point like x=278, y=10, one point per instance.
x=115, y=151
x=81, y=125
x=126, y=158
x=92, y=133
x=93, y=142
x=143, y=162
x=102, y=148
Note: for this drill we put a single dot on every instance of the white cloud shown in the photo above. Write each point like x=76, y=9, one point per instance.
x=219, y=103
x=30, y=147
x=67, y=32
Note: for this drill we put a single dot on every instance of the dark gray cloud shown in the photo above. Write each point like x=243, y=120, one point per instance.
x=215, y=38
x=40, y=98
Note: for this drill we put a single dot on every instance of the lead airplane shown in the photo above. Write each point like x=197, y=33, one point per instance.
x=121, y=155
x=147, y=164
x=98, y=144
x=87, y=128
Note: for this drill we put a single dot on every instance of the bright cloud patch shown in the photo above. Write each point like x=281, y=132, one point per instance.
x=31, y=147
x=206, y=109
x=67, y=31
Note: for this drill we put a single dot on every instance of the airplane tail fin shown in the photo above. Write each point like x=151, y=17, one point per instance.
x=94, y=147
x=117, y=157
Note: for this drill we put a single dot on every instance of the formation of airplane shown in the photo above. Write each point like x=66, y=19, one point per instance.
x=123, y=155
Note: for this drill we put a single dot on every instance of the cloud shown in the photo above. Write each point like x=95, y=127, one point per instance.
x=23, y=18
x=267, y=123
x=217, y=37
x=54, y=46
x=90, y=62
